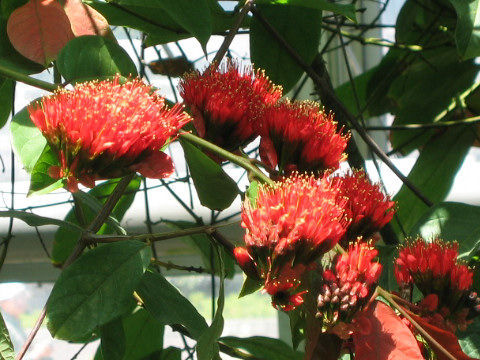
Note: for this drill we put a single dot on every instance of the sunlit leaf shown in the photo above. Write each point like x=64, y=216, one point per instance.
x=467, y=33
x=249, y=286
x=6, y=346
x=168, y=306
x=216, y=190
x=90, y=57
x=96, y=288
x=388, y=339
x=40, y=180
x=28, y=142
x=470, y=339
x=39, y=30
x=292, y=23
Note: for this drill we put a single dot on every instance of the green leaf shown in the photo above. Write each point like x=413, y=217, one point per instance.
x=249, y=286
x=292, y=23
x=144, y=335
x=433, y=174
x=452, y=222
x=168, y=306
x=6, y=99
x=347, y=10
x=28, y=142
x=467, y=33
x=37, y=220
x=207, y=345
x=263, y=347
x=40, y=182
x=171, y=353
x=470, y=340
x=216, y=190
x=65, y=240
x=252, y=192
x=96, y=288
x=387, y=255
x=193, y=16
x=113, y=340
x=92, y=57
x=6, y=346
x=202, y=243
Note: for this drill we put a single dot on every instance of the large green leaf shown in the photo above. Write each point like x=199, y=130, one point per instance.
x=292, y=23
x=433, y=174
x=28, y=142
x=264, y=348
x=347, y=10
x=65, y=240
x=40, y=180
x=467, y=33
x=387, y=255
x=6, y=100
x=216, y=190
x=207, y=345
x=91, y=57
x=96, y=288
x=452, y=221
x=6, y=346
x=37, y=220
x=168, y=306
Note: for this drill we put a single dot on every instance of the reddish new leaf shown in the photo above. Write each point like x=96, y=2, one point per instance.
x=389, y=338
x=445, y=338
x=86, y=20
x=39, y=30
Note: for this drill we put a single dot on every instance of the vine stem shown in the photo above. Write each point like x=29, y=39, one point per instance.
x=353, y=121
x=18, y=76
x=238, y=160
x=387, y=296
x=94, y=226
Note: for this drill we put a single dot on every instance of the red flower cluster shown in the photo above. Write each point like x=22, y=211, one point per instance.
x=300, y=136
x=107, y=129
x=227, y=103
x=368, y=207
x=348, y=287
x=291, y=223
x=445, y=282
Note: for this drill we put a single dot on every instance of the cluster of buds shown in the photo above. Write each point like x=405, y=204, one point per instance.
x=445, y=282
x=347, y=287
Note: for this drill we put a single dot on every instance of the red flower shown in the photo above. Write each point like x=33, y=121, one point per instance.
x=348, y=287
x=368, y=207
x=227, y=103
x=434, y=268
x=106, y=129
x=291, y=223
x=301, y=136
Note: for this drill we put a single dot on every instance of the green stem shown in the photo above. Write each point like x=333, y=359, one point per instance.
x=238, y=160
x=18, y=76
x=387, y=296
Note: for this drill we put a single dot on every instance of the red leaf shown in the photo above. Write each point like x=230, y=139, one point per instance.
x=86, y=20
x=445, y=338
x=39, y=30
x=389, y=338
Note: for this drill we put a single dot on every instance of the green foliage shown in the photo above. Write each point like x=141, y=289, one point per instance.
x=263, y=347
x=292, y=23
x=6, y=99
x=96, y=289
x=36, y=220
x=216, y=190
x=65, y=240
x=467, y=35
x=40, y=180
x=6, y=347
x=93, y=57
